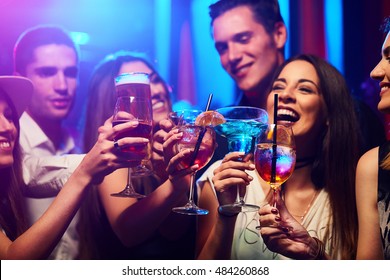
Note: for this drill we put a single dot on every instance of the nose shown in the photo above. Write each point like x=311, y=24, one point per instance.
x=234, y=53
x=5, y=124
x=61, y=83
x=286, y=95
x=378, y=73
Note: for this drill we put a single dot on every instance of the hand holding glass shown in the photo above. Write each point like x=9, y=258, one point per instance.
x=201, y=141
x=134, y=103
x=241, y=128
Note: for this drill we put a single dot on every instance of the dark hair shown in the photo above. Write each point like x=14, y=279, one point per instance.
x=335, y=164
x=35, y=37
x=266, y=12
x=12, y=212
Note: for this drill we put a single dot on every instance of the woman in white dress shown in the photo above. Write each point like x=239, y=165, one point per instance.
x=315, y=214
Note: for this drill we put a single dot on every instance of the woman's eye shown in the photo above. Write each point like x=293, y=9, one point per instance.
x=306, y=90
x=277, y=88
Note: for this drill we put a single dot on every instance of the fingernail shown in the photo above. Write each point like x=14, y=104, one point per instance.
x=250, y=178
x=274, y=211
x=278, y=219
x=252, y=166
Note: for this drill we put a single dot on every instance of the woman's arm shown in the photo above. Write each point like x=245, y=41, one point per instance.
x=40, y=239
x=216, y=230
x=134, y=221
x=369, y=239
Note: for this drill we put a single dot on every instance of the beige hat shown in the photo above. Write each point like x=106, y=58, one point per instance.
x=19, y=89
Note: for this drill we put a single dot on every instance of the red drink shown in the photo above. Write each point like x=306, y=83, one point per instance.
x=143, y=130
x=189, y=140
x=202, y=157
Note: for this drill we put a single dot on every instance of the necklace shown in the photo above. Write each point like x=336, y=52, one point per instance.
x=300, y=217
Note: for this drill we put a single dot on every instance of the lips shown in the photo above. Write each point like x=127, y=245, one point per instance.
x=241, y=71
x=61, y=103
x=384, y=89
x=158, y=105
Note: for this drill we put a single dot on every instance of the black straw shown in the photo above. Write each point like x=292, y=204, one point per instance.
x=274, y=144
x=201, y=133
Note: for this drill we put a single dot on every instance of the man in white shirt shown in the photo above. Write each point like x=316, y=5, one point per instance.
x=49, y=58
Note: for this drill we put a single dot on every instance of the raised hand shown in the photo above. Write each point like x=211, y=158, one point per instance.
x=283, y=234
x=104, y=158
x=230, y=174
x=172, y=159
x=158, y=162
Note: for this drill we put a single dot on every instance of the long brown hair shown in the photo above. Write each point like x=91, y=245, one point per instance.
x=337, y=156
x=12, y=214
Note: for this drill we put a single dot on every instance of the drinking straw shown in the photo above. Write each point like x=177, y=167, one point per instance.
x=274, y=145
x=202, y=133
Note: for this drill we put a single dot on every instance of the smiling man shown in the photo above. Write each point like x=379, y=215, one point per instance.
x=249, y=37
x=49, y=58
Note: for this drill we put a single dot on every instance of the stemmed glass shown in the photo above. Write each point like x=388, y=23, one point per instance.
x=134, y=103
x=201, y=141
x=275, y=155
x=241, y=128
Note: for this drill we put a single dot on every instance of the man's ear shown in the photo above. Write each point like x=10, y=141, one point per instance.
x=280, y=35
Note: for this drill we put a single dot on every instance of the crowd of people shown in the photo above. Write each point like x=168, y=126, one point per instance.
x=56, y=197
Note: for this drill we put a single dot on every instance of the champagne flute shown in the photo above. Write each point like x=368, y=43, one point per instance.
x=201, y=141
x=134, y=103
x=241, y=128
x=275, y=155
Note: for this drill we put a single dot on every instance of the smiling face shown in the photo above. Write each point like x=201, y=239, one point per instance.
x=8, y=134
x=381, y=73
x=160, y=96
x=53, y=72
x=300, y=103
x=247, y=52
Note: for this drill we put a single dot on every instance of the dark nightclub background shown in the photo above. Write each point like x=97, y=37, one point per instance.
x=176, y=36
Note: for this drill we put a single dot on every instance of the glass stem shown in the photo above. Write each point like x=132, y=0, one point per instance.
x=129, y=183
x=192, y=186
x=240, y=198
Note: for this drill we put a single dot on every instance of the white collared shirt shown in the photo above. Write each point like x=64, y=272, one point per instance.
x=45, y=171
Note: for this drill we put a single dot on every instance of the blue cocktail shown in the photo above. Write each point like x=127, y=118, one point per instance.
x=243, y=125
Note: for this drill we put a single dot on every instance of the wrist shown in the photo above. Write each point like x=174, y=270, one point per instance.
x=319, y=252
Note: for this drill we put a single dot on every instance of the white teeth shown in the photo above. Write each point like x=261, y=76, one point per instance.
x=286, y=112
x=158, y=105
x=4, y=145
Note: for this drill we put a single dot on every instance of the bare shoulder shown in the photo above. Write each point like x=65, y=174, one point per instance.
x=367, y=175
x=368, y=162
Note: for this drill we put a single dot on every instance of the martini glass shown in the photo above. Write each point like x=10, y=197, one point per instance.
x=243, y=125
